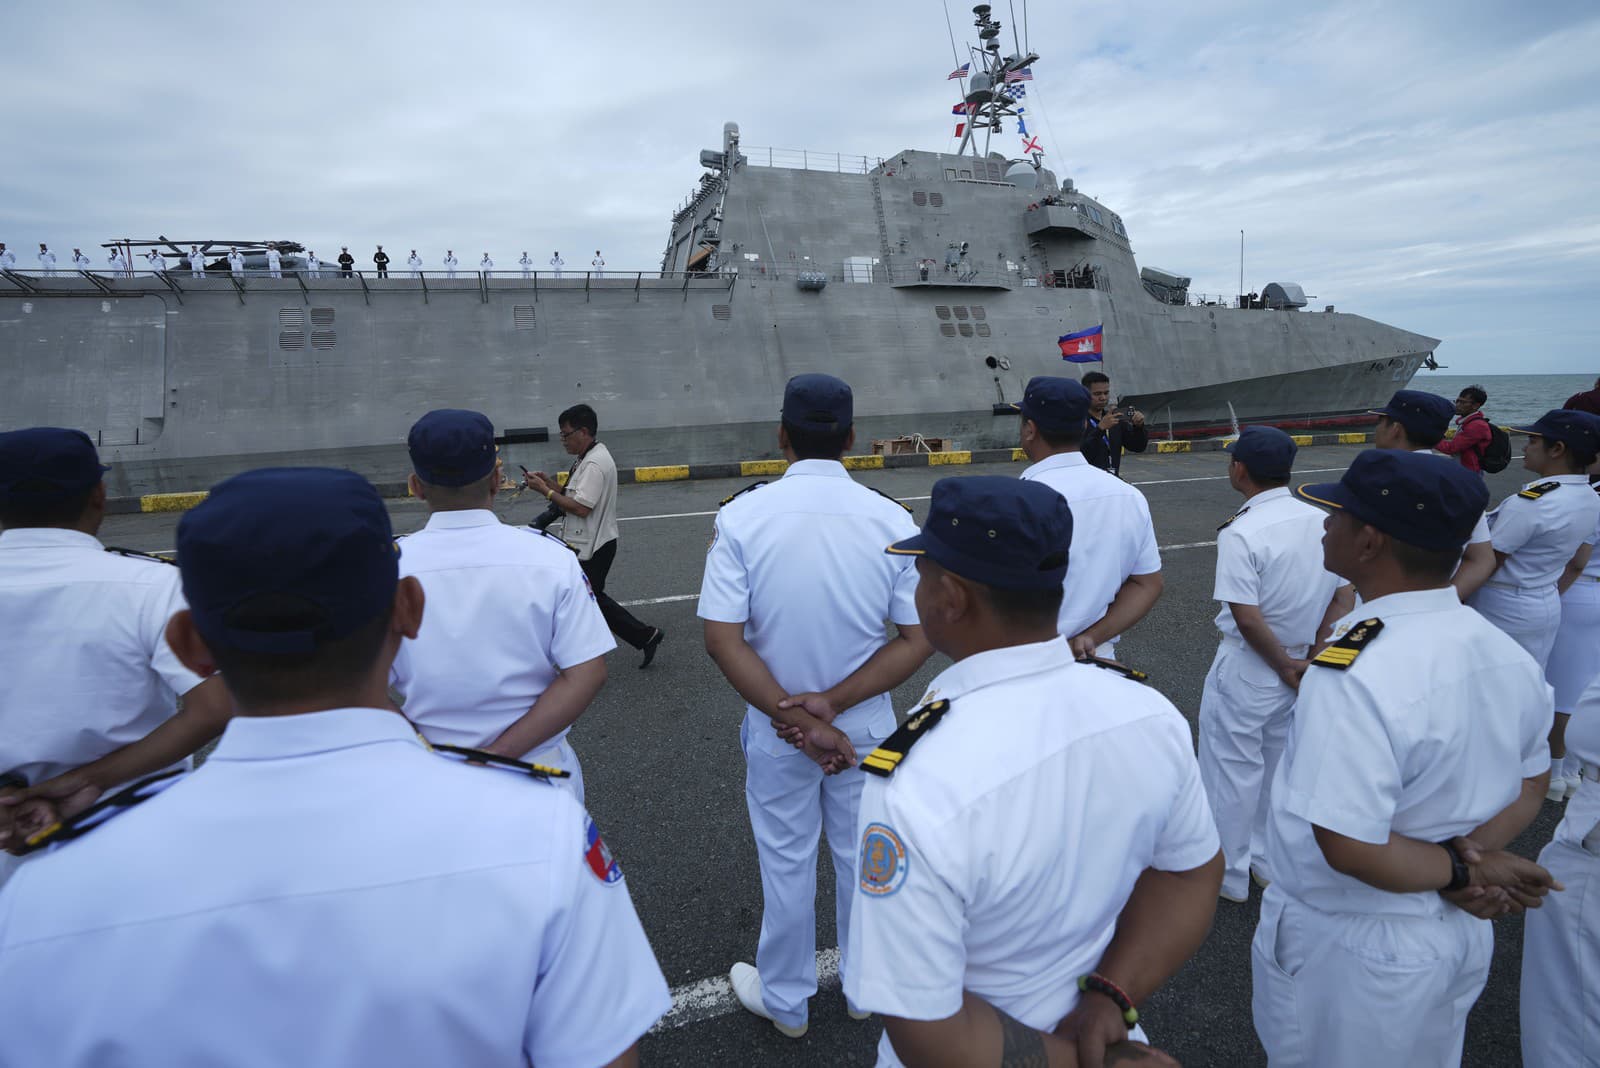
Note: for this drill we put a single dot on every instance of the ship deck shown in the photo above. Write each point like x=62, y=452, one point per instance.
x=665, y=777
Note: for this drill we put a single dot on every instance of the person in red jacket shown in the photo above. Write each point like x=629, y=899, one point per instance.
x=1472, y=430
x=1586, y=401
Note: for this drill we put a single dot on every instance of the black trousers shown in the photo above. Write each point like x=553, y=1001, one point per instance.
x=619, y=619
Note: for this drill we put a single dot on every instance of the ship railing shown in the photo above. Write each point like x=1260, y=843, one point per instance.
x=801, y=159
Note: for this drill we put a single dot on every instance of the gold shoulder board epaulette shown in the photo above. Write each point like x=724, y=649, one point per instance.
x=479, y=756
x=1121, y=669
x=101, y=811
x=884, y=759
x=886, y=497
x=734, y=496
x=140, y=555
x=1234, y=516
x=1533, y=493
x=1342, y=653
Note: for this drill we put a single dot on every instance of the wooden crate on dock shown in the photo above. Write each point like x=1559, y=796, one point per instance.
x=903, y=445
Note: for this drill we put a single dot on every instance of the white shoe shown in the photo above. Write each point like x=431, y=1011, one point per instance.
x=1557, y=791
x=746, y=983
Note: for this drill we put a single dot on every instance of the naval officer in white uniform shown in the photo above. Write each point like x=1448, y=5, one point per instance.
x=8, y=259
x=80, y=261
x=526, y=263
x=512, y=649
x=313, y=265
x=1575, y=654
x=274, y=263
x=486, y=265
x=598, y=264
x=795, y=594
x=450, y=263
x=1116, y=573
x=414, y=262
x=235, y=264
x=324, y=890
x=1416, y=753
x=556, y=263
x=47, y=259
x=91, y=686
x=1013, y=876
x=197, y=262
x=1276, y=598
x=1561, y=941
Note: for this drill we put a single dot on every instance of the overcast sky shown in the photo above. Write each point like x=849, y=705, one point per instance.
x=1430, y=164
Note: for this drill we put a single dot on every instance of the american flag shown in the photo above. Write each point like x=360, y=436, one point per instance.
x=959, y=72
x=1023, y=75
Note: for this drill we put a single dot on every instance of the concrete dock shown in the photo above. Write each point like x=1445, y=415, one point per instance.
x=665, y=777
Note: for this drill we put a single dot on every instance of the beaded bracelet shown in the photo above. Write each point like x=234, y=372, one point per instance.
x=1099, y=984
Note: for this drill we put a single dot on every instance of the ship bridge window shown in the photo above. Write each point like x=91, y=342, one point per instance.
x=1094, y=213
x=950, y=174
x=1116, y=227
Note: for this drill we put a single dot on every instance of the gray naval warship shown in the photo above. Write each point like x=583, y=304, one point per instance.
x=935, y=283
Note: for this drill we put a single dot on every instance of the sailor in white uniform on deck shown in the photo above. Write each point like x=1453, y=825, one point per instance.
x=794, y=598
x=115, y=263
x=486, y=265
x=80, y=261
x=556, y=263
x=513, y=648
x=527, y=264
x=1575, y=654
x=8, y=259
x=1018, y=889
x=91, y=685
x=599, y=264
x=450, y=263
x=1276, y=599
x=235, y=263
x=47, y=259
x=158, y=263
x=255, y=912
x=313, y=265
x=1417, y=752
x=197, y=262
x=1561, y=941
x=414, y=262
x=1116, y=572
x=274, y=263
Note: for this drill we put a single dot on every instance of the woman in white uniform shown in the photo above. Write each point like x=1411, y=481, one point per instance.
x=1575, y=656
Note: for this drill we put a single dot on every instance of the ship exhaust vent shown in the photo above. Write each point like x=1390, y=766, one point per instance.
x=983, y=330
x=941, y=311
x=960, y=310
x=321, y=316
x=919, y=198
x=723, y=312
x=936, y=200
x=978, y=312
x=966, y=331
x=323, y=339
x=523, y=317
x=947, y=329
x=291, y=329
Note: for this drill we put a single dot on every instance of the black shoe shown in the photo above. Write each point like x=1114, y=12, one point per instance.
x=651, y=646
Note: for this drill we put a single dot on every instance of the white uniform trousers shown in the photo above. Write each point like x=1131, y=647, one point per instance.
x=1529, y=616
x=791, y=801
x=1561, y=945
x=1356, y=991
x=561, y=755
x=1575, y=654
x=1244, y=723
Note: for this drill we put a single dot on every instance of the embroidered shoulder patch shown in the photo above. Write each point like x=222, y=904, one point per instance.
x=1120, y=668
x=1234, y=516
x=1533, y=493
x=886, y=497
x=602, y=865
x=138, y=555
x=480, y=756
x=101, y=811
x=1342, y=653
x=882, y=868
x=734, y=496
x=886, y=758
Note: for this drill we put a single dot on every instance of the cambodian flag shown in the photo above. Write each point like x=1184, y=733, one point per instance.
x=962, y=109
x=1084, y=346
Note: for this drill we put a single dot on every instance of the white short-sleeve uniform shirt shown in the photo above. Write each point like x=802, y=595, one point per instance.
x=800, y=563
x=999, y=854
x=1540, y=535
x=85, y=664
x=1112, y=536
x=506, y=608
x=1270, y=555
x=326, y=891
x=1428, y=733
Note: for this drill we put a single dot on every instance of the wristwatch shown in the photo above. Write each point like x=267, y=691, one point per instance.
x=1460, y=875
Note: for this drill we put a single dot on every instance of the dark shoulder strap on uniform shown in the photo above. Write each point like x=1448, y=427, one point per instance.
x=734, y=496
x=886, y=497
x=136, y=554
x=101, y=811
x=1533, y=493
x=1121, y=669
x=887, y=757
x=1234, y=516
x=479, y=756
x=1342, y=653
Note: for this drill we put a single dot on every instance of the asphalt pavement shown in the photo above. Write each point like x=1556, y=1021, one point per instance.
x=665, y=777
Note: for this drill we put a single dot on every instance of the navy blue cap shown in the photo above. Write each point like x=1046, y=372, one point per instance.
x=1265, y=451
x=1424, y=415
x=284, y=559
x=821, y=403
x=1428, y=501
x=452, y=447
x=43, y=463
x=1057, y=405
x=1580, y=431
x=1002, y=532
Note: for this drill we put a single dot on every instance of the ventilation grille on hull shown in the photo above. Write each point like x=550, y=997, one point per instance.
x=722, y=311
x=523, y=317
x=291, y=329
x=947, y=329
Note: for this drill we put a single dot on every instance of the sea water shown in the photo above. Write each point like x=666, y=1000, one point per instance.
x=1512, y=398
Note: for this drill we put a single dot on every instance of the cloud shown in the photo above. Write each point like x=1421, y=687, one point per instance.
x=1427, y=164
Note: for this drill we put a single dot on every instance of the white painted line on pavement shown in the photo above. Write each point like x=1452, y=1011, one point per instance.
x=706, y=999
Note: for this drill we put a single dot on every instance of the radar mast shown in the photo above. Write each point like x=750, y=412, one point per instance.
x=986, y=91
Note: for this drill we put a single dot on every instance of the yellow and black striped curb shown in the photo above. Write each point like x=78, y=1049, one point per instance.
x=180, y=502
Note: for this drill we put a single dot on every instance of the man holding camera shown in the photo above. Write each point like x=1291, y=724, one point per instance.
x=1110, y=429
